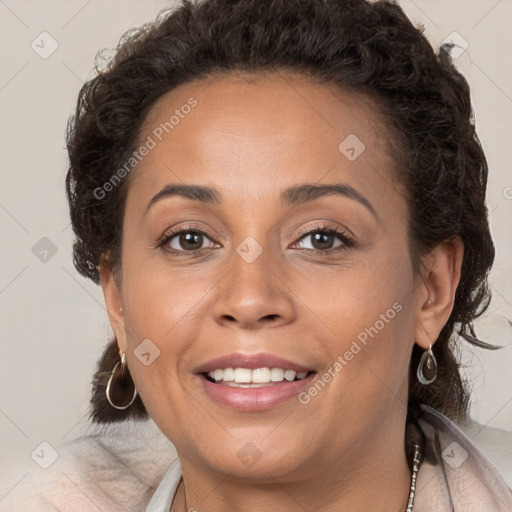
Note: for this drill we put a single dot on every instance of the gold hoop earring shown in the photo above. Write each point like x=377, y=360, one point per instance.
x=121, y=392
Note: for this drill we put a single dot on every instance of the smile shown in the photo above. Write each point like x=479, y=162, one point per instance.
x=252, y=382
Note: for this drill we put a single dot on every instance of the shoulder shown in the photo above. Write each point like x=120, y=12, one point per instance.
x=455, y=474
x=116, y=469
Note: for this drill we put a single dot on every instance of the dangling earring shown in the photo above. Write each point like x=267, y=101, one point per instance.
x=427, y=369
x=120, y=391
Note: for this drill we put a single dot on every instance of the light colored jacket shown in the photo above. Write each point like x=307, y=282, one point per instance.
x=455, y=475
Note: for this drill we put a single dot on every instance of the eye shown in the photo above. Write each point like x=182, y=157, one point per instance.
x=186, y=239
x=325, y=239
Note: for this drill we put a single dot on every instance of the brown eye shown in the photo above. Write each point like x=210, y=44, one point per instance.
x=190, y=241
x=186, y=240
x=322, y=240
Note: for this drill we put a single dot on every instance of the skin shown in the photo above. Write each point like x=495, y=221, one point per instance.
x=251, y=136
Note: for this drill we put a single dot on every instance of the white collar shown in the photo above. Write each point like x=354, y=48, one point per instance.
x=164, y=494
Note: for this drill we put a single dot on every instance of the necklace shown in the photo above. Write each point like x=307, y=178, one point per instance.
x=415, y=469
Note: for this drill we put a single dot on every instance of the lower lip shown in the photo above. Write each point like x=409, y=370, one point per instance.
x=254, y=399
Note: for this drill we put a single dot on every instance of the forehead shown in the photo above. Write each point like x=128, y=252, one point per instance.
x=255, y=133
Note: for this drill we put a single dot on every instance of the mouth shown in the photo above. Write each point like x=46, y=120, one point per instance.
x=248, y=382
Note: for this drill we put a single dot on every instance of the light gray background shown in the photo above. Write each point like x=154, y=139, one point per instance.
x=54, y=323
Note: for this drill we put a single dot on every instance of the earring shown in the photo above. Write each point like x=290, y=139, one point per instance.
x=120, y=391
x=427, y=369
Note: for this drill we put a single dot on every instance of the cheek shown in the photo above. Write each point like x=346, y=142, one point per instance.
x=159, y=297
x=369, y=309
x=160, y=318
x=352, y=298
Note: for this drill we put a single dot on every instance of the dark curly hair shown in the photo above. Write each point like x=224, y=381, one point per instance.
x=371, y=47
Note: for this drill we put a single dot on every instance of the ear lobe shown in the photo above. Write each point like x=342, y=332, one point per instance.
x=440, y=280
x=113, y=301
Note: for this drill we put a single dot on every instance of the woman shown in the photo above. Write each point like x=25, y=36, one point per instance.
x=284, y=203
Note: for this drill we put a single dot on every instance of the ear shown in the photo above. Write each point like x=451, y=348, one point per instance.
x=113, y=300
x=440, y=277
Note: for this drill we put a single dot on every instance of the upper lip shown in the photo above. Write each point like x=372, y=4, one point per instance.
x=250, y=361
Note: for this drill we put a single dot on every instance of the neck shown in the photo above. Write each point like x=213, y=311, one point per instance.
x=380, y=481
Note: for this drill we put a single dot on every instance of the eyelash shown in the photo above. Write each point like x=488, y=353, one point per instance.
x=344, y=237
x=347, y=241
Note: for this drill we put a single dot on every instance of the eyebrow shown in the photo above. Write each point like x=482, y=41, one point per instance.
x=291, y=196
x=198, y=193
x=309, y=192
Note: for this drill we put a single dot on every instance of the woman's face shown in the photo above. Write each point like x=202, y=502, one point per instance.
x=295, y=259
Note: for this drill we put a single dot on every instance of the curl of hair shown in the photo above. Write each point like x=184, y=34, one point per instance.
x=371, y=47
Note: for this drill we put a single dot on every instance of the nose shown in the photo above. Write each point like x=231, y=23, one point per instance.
x=254, y=294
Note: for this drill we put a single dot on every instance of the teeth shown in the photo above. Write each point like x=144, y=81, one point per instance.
x=289, y=375
x=276, y=375
x=227, y=375
x=256, y=377
x=260, y=375
x=242, y=375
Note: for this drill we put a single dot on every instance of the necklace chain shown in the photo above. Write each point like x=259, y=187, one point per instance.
x=415, y=469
